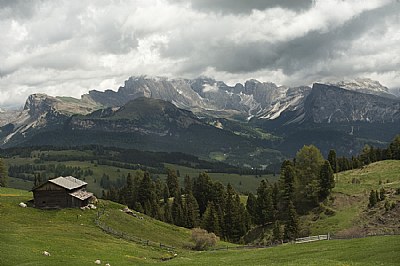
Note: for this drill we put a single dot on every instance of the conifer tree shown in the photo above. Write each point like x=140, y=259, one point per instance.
x=291, y=231
x=395, y=148
x=167, y=213
x=287, y=179
x=308, y=164
x=172, y=181
x=145, y=190
x=372, y=199
x=202, y=190
x=177, y=211
x=166, y=193
x=3, y=174
x=191, y=211
x=326, y=181
x=129, y=192
x=265, y=211
x=333, y=160
x=218, y=195
x=188, y=184
x=251, y=206
x=210, y=221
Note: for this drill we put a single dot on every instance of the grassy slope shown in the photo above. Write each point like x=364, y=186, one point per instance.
x=351, y=200
x=26, y=232
x=71, y=241
x=367, y=251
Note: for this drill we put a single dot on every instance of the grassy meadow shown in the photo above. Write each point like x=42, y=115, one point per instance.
x=72, y=238
x=351, y=195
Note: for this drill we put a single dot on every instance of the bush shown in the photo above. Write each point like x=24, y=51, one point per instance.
x=202, y=239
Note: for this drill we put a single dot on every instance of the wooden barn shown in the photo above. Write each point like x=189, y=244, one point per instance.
x=61, y=192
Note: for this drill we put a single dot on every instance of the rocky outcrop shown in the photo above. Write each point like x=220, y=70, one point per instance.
x=207, y=96
x=330, y=104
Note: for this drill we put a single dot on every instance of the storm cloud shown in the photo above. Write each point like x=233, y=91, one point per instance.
x=69, y=47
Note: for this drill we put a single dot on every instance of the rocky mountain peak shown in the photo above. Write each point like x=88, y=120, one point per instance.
x=364, y=85
x=39, y=103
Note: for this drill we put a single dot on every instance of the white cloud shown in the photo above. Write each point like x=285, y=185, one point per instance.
x=69, y=47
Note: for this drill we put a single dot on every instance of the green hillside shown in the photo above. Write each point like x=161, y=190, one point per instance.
x=350, y=205
x=28, y=232
x=71, y=237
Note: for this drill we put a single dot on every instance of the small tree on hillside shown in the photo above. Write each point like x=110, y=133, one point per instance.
x=327, y=180
x=372, y=199
x=292, y=223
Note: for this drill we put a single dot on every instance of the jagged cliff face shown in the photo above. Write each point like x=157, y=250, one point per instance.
x=330, y=104
x=207, y=96
x=291, y=114
x=365, y=85
x=43, y=112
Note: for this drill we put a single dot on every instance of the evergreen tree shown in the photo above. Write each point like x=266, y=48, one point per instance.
x=265, y=210
x=210, y=220
x=308, y=164
x=3, y=174
x=372, y=199
x=333, y=160
x=291, y=231
x=167, y=214
x=202, y=191
x=286, y=183
x=145, y=190
x=251, y=206
x=155, y=209
x=172, y=181
x=326, y=180
x=129, y=192
x=188, y=184
x=395, y=148
x=166, y=193
x=234, y=226
x=191, y=211
x=177, y=211
x=218, y=196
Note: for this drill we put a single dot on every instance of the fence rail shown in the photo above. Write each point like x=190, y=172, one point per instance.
x=312, y=239
x=127, y=236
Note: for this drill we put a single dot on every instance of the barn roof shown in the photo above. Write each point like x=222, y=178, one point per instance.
x=68, y=182
x=82, y=195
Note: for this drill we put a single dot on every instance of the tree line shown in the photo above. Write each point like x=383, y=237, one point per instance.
x=304, y=183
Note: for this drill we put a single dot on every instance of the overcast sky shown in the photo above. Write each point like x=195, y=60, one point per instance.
x=72, y=46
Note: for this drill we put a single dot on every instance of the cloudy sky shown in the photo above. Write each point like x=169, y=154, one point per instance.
x=69, y=47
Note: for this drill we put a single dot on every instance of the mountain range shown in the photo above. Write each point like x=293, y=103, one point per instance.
x=253, y=124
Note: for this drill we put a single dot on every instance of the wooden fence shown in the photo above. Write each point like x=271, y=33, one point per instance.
x=127, y=236
x=312, y=239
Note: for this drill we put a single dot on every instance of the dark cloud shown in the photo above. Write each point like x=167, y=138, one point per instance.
x=317, y=47
x=246, y=6
x=21, y=9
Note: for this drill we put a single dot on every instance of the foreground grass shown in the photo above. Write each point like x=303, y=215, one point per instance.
x=72, y=238
x=367, y=251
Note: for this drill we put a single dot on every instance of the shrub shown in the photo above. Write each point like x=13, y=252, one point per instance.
x=202, y=239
